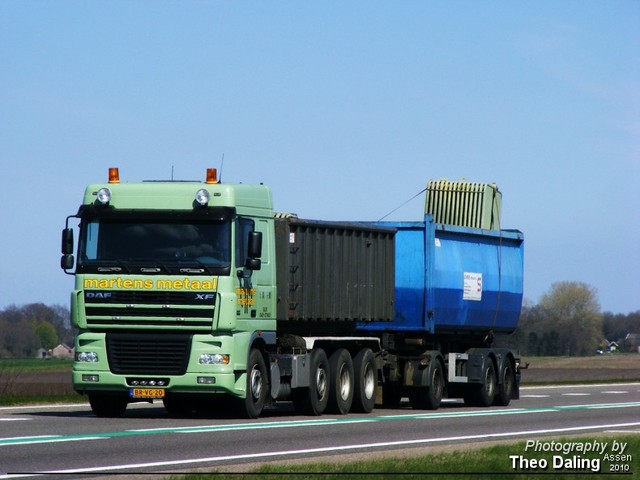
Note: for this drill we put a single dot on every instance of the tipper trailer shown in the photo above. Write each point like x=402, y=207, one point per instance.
x=192, y=292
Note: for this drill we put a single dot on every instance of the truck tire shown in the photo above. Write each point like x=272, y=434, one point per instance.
x=108, y=405
x=366, y=383
x=313, y=400
x=257, y=385
x=506, y=385
x=341, y=382
x=429, y=397
x=483, y=394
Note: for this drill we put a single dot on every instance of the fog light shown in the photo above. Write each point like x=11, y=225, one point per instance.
x=91, y=357
x=206, y=380
x=90, y=378
x=213, y=359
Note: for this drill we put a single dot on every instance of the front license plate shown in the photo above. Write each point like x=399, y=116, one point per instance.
x=147, y=393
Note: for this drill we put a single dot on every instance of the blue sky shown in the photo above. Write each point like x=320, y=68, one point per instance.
x=346, y=109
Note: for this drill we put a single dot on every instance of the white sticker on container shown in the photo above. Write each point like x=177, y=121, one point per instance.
x=292, y=237
x=472, y=286
x=438, y=242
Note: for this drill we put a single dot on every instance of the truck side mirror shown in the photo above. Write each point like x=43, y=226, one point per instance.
x=67, y=261
x=67, y=241
x=254, y=251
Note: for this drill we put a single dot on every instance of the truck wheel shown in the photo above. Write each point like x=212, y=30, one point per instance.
x=429, y=397
x=482, y=394
x=366, y=383
x=313, y=400
x=506, y=386
x=257, y=385
x=108, y=405
x=341, y=382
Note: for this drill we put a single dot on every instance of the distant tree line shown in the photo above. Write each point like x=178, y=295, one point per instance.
x=26, y=329
x=567, y=321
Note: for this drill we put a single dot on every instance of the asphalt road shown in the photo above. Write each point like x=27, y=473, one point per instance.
x=70, y=440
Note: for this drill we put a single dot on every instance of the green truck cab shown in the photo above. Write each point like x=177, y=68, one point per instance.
x=174, y=291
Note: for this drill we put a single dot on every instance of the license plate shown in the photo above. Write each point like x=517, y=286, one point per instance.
x=147, y=393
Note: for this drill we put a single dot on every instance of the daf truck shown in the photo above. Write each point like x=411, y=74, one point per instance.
x=199, y=295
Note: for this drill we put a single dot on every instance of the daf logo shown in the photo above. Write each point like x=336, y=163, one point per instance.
x=204, y=296
x=98, y=294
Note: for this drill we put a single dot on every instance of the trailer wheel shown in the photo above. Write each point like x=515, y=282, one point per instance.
x=366, y=384
x=506, y=385
x=257, y=385
x=341, y=382
x=429, y=397
x=314, y=399
x=482, y=394
x=108, y=405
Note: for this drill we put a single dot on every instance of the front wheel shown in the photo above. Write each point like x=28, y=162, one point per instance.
x=257, y=385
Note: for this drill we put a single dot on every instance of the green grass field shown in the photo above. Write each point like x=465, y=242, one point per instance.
x=465, y=463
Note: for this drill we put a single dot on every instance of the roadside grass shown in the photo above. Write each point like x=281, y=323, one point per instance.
x=489, y=462
x=35, y=364
x=614, y=361
x=14, y=400
x=33, y=381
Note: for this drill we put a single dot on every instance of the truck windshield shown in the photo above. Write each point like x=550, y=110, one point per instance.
x=153, y=246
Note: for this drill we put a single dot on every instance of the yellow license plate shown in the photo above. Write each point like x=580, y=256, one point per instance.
x=147, y=393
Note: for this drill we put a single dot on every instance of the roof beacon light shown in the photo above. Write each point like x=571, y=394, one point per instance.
x=212, y=175
x=114, y=175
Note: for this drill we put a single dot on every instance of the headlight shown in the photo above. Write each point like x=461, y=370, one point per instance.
x=213, y=359
x=90, y=357
x=104, y=195
x=203, y=197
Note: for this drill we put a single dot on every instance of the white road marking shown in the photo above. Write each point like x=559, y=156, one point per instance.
x=287, y=453
x=576, y=394
x=534, y=396
x=614, y=392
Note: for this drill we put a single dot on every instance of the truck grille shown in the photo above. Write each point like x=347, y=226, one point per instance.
x=148, y=353
x=110, y=309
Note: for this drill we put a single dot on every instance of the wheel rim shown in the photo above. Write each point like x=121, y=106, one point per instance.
x=490, y=383
x=256, y=383
x=369, y=382
x=321, y=383
x=438, y=384
x=508, y=381
x=345, y=382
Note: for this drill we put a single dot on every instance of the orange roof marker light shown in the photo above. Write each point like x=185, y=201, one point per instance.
x=114, y=175
x=212, y=175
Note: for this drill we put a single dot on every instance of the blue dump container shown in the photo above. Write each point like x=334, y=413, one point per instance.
x=454, y=280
